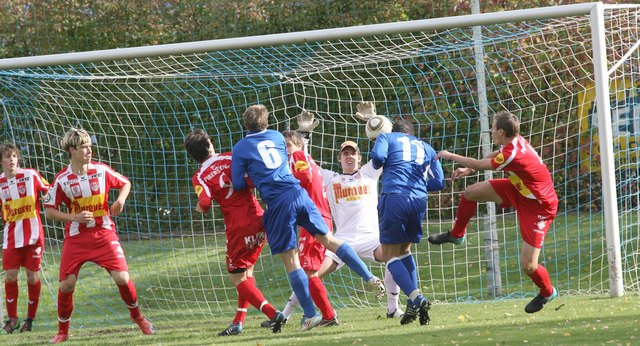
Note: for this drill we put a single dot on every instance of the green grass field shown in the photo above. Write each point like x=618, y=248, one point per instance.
x=584, y=320
x=184, y=289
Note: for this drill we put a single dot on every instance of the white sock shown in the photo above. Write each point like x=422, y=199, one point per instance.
x=393, y=291
x=291, y=306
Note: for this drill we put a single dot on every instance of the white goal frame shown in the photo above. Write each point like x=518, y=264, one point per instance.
x=595, y=10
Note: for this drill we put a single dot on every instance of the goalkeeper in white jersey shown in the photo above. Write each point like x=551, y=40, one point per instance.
x=353, y=199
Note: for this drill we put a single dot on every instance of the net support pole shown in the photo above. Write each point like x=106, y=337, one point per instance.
x=605, y=134
x=490, y=230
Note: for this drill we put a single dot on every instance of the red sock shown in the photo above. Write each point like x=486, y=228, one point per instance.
x=540, y=277
x=65, y=308
x=250, y=292
x=130, y=297
x=466, y=210
x=319, y=296
x=11, y=294
x=241, y=311
x=34, y=298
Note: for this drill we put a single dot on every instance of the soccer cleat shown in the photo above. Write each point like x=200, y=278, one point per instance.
x=10, y=325
x=539, y=301
x=410, y=314
x=378, y=287
x=60, y=337
x=234, y=329
x=145, y=325
x=330, y=322
x=397, y=313
x=277, y=321
x=26, y=325
x=269, y=323
x=307, y=323
x=446, y=237
x=423, y=311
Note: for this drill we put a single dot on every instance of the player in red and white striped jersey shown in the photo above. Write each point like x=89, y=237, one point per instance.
x=90, y=233
x=244, y=230
x=23, y=241
x=528, y=188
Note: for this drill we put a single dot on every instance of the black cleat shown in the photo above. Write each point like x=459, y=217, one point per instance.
x=446, y=237
x=537, y=303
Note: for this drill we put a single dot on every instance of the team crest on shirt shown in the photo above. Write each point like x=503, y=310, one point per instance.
x=499, y=159
x=22, y=189
x=95, y=186
x=75, y=191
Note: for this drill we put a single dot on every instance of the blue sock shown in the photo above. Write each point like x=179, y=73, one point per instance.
x=300, y=286
x=410, y=263
x=351, y=259
x=401, y=275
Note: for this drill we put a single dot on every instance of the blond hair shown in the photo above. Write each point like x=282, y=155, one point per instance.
x=256, y=118
x=74, y=138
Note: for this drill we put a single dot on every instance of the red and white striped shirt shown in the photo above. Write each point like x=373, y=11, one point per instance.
x=20, y=202
x=89, y=192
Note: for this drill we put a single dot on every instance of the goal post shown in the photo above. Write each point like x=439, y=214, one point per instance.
x=571, y=73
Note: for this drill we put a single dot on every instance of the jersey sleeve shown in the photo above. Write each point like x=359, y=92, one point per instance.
x=327, y=175
x=55, y=195
x=238, y=168
x=368, y=171
x=434, y=173
x=504, y=157
x=203, y=192
x=114, y=179
x=380, y=151
x=301, y=168
x=41, y=184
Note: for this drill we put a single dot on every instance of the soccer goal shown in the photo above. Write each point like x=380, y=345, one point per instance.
x=571, y=73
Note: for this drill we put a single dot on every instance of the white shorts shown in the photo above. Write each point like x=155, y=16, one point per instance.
x=364, y=250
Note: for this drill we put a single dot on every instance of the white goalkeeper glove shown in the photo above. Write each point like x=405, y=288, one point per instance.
x=307, y=122
x=366, y=110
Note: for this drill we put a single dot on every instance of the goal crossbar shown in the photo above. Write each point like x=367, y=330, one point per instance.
x=297, y=37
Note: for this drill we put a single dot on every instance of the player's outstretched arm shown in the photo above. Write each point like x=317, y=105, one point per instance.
x=484, y=164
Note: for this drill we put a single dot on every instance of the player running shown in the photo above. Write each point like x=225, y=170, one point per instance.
x=243, y=224
x=529, y=189
x=23, y=242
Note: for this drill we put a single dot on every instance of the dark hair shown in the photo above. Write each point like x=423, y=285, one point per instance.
x=295, y=137
x=197, y=145
x=507, y=122
x=10, y=148
x=403, y=127
x=256, y=118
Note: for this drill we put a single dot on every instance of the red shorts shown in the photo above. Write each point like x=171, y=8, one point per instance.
x=535, y=218
x=244, y=246
x=311, y=252
x=29, y=256
x=101, y=247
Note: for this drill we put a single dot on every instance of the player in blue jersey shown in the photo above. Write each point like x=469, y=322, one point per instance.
x=410, y=169
x=262, y=155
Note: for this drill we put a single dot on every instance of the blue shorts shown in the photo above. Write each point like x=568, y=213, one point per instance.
x=293, y=208
x=400, y=218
